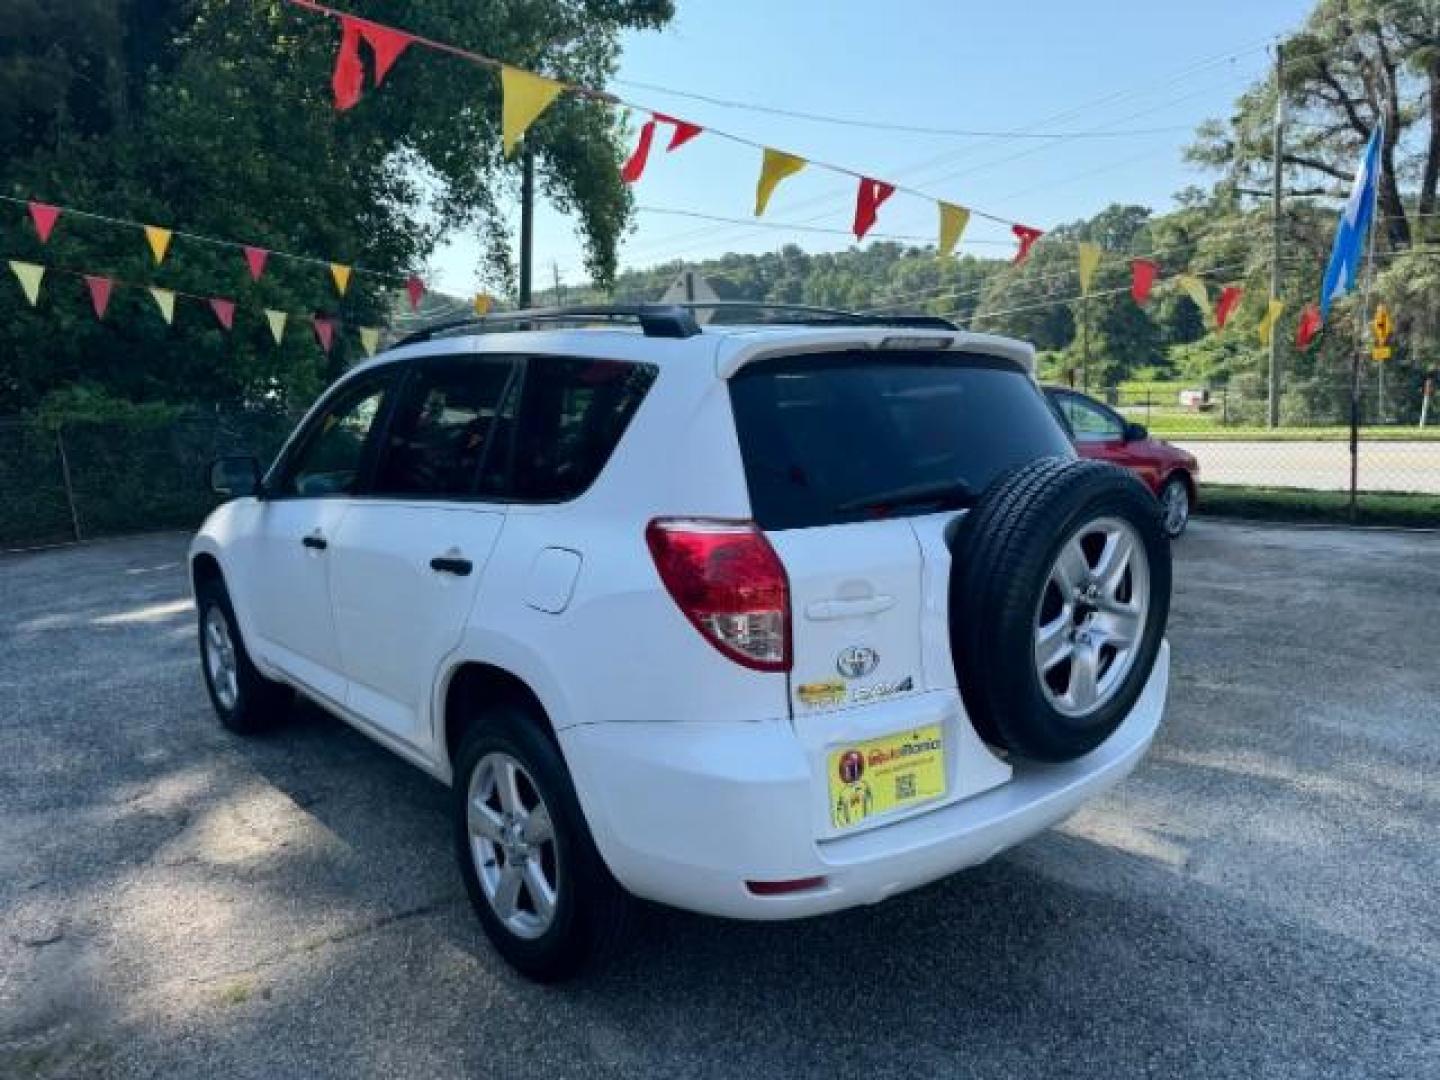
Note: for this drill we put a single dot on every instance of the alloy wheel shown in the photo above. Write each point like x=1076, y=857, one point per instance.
x=1091, y=616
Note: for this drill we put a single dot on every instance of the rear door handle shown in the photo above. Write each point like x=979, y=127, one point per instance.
x=823, y=610
x=450, y=564
x=316, y=541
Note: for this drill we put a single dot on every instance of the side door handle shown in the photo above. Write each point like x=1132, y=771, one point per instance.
x=315, y=540
x=451, y=564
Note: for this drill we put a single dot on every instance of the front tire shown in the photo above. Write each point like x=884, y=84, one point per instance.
x=244, y=700
x=1175, y=506
x=539, y=886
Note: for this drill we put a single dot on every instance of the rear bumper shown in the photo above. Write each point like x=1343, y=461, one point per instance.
x=685, y=813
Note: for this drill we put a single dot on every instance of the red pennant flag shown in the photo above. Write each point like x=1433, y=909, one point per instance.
x=635, y=166
x=868, y=200
x=99, y=293
x=1229, y=301
x=1027, y=237
x=416, y=289
x=224, y=311
x=44, y=216
x=1310, y=324
x=349, y=75
x=683, y=133
x=255, y=259
x=1142, y=279
x=324, y=332
x=386, y=43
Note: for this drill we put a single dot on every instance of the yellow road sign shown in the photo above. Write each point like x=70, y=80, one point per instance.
x=1380, y=352
x=1382, y=326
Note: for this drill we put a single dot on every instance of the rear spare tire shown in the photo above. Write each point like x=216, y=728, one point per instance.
x=1059, y=595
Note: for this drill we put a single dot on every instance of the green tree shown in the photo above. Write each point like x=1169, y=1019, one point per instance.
x=217, y=118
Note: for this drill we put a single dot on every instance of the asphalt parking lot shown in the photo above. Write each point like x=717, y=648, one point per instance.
x=1258, y=900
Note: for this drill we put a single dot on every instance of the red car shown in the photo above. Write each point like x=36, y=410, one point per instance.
x=1102, y=433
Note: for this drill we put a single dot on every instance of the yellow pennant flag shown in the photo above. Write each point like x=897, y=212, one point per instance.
x=776, y=167
x=369, y=339
x=1195, y=289
x=525, y=97
x=159, y=241
x=276, y=319
x=1089, y=261
x=341, y=273
x=483, y=304
x=1267, y=323
x=166, y=301
x=953, y=220
x=30, y=277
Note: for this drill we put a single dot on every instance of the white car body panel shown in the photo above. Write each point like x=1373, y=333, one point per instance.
x=695, y=773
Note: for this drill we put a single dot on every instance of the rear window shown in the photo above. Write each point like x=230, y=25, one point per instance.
x=853, y=436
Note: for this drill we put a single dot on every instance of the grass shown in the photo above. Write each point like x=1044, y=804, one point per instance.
x=1319, y=507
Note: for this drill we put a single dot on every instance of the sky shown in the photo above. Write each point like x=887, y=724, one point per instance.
x=1144, y=73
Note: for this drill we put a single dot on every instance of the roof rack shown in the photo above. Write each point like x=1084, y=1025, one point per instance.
x=673, y=320
x=656, y=320
x=805, y=315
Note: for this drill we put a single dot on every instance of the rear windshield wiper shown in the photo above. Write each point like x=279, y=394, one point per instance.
x=955, y=493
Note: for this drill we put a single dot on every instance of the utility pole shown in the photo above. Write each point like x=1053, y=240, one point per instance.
x=1272, y=417
x=527, y=223
x=559, y=297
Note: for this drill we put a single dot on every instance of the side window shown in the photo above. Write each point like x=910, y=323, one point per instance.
x=446, y=424
x=572, y=415
x=329, y=460
x=1089, y=421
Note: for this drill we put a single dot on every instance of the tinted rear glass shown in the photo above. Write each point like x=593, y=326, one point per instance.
x=831, y=439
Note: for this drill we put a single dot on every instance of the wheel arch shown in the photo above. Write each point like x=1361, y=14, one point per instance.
x=472, y=684
x=1184, y=475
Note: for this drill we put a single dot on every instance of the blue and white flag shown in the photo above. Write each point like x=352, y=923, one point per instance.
x=1354, y=226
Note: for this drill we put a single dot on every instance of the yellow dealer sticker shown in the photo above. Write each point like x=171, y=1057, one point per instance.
x=885, y=774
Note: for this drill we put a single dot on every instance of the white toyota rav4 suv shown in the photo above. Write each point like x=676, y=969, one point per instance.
x=761, y=621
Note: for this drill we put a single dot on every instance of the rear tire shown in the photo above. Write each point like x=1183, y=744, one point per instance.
x=244, y=700
x=539, y=886
x=1059, y=595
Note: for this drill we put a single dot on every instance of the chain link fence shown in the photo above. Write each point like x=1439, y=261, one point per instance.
x=82, y=480
x=1225, y=426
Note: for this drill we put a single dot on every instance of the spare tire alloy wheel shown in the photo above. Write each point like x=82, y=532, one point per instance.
x=1090, y=617
x=512, y=840
x=1059, y=594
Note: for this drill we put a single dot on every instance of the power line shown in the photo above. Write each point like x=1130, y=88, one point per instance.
x=883, y=125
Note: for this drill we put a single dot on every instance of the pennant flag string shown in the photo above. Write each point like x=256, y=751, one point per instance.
x=30, y=277
x=44, y=215
x=868, y=200
x=774, y=167
x=256, y=257
x=159, y=240
x=1267, y=323
x=953, y=220
x=1229, y=300
x=526, y=95
x=165, y=298
x=224, y=312
x=100, y=288
x=369, y=339
x=1142, y=279
x=1027, y=237
x=1089, y=262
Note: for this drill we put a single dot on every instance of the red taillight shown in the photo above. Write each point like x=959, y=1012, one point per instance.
x=728, y=581
x=782, y=888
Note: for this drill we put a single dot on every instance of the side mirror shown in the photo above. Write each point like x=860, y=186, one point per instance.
x=235, y=476
x=1136, y=432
